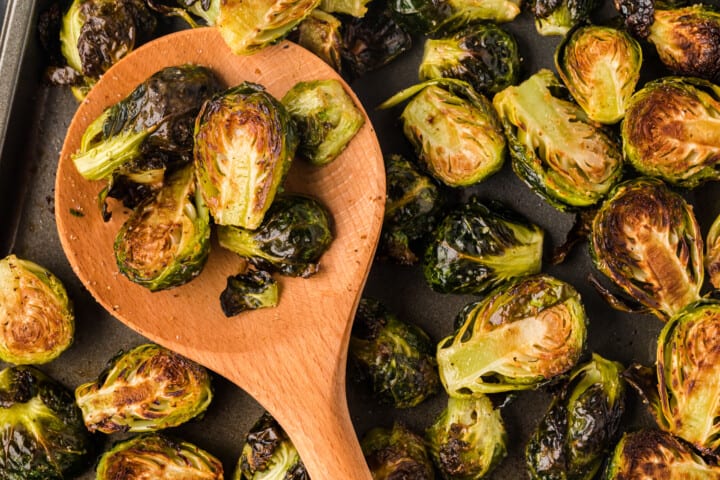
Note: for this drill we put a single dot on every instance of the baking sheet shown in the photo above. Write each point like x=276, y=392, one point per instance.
x=33, y=119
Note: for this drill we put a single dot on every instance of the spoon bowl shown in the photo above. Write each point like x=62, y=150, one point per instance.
x=290, y=358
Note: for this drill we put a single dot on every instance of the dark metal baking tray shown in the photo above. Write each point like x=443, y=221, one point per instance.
x=33, y=120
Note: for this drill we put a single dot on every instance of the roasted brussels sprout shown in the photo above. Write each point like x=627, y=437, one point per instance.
x=600, y=67
x=555, y=148
x=269, y=453
x=96, y=34
x=155, y=120
x=372, y=41
x=326, y=116
x=296, y=231
x=652, y=454
x=207, y=10
x=38, y=321
x=145, y=389
x=249, y=291
x=687, y=40
x=645, y=238
x=396, y=356
x=712, y=253
x=245, y=141
x=356, y=8
x=42, y=436
x=413, y=206
x=482, y=54
x=479, y=246
x=468, y=439
x=166, y=241
x=453, y=129
x=581, y=424
x=396, y=453
x=320, y=33
x=516, y=338
x=430, y=16
x=157, y=456
x=557, y=17
x=671, y=130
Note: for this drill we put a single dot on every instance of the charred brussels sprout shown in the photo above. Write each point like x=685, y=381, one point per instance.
x=482, y=54
x=555, y=148
x=207, y=10
x=296, y=231
x=412, y=208
x=145, y=389
x=166, y=241
x=468, y=439
x=42, y=436
x=687, y=40
x=671, y=130
x=155, y=120
x=326, y=116
x=396, y=453
x=477, y=247
x=580, y=425
x=600, y=67
x=454, y=131
x=516, y=338
x=397, y=356
x=157, y=456
x=645, y=238
x=557, y=17
x=244, y=143
x=320, y=33
x=712, y=253
x=429, y=16
x=249, y=291
x=269, y=453
x=96, y=34
x=652, y=455
x=38, y=322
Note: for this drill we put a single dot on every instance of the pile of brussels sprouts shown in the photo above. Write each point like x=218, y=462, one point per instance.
x=594, y=138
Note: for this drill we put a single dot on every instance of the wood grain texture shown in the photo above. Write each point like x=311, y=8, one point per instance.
x=291, y=358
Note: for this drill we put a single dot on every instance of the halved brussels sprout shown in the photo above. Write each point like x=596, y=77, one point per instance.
x=396, y=356
x=455, y=131
x=42, y=436
x=600, y=67
x=159, y=457
x=557, y=17
x=467, y=440
x=326, y=117
x=295, y=233
x=145, y=389
x=555, y=148
x=249, y=291
x=268, y=453
x=38, y=322
x=245, y=141
x=712, y=253
x=482, y=54
x=651, y=455
x=672, y=130
x=320, y=33
x=155, y=120
x=581, y=424
x=166, y=241
x=516, y=338
x=412, y=208
x=96, y=34
x=207, y=10
x=686, y=40
x=645, y=238
x=396, y=453
x=429, y=16
x=480, y=246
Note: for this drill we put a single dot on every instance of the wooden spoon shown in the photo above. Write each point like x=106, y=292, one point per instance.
x=291, y=358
